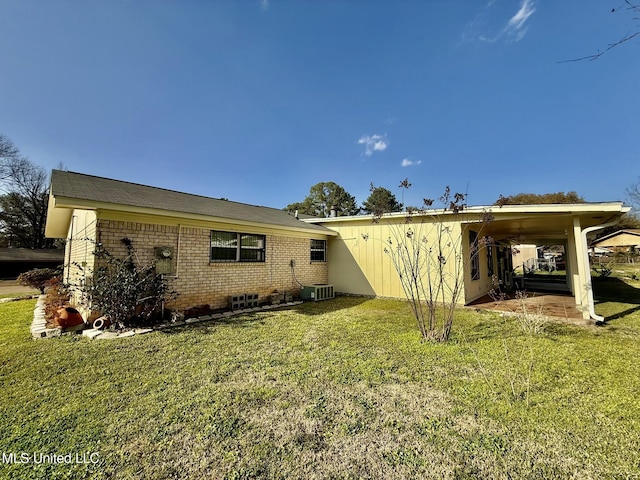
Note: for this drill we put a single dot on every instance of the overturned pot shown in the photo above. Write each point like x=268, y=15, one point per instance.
x=69, y=319
x=101, y=322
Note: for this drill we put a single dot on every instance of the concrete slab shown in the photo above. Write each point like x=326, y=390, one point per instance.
x=141, y=331
x=204, y=318
x=92, y=333
x=107, y=336
x=193, y=320
x=128, y=333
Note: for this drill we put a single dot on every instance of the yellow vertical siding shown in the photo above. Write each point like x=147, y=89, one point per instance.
x=358, y=263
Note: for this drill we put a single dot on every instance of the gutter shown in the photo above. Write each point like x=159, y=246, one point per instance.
x=585, y=259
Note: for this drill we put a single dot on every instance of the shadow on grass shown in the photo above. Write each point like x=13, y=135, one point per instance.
x=251, y=319
x=322, y=307
x=607, y=290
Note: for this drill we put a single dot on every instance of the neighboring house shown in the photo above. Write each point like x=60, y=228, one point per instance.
x=218, y=248
x=525, y=257
x=14, y=261
x=359, y=265
x=209, y=249
x=621, y=241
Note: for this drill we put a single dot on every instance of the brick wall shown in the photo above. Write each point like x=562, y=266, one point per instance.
x=199, y=281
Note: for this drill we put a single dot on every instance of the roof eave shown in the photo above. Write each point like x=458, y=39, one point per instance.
x=615, y=208
x=64, y=206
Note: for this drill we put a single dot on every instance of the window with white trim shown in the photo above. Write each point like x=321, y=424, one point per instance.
x=318, y=250
x=237, y=247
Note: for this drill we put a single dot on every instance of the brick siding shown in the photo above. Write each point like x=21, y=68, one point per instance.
x=201, y=282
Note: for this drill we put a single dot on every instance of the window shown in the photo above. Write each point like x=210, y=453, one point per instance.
x=473, y=252
x=489, y=259
x=318, y=250
x=237, y=247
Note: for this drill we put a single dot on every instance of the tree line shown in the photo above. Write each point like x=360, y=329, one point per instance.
x=24, y=200
x=326, y=196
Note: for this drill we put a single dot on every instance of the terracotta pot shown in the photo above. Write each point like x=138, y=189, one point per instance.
x=68, y=317
x=101, y=322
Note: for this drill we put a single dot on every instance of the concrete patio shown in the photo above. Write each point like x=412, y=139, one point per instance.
x=556, y=305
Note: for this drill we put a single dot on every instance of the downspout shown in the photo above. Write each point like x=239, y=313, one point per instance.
x=70, y=245
x=585, y=259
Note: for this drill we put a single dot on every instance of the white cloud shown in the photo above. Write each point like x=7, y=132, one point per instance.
x=373, y=143
x=514, y=30
x=406, y=162
x=264, y=5
x=518, y=20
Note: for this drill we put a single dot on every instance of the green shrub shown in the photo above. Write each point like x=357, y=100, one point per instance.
x=124, y=290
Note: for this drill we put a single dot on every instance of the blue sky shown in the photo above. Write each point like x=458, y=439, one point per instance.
x=258, y=100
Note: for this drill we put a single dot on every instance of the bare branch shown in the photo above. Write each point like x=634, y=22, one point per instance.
x=634, y=7
x=595, y=56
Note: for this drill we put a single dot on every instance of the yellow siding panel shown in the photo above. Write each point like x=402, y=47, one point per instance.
x=359, y=264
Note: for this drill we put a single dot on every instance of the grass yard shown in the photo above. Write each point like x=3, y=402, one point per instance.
x=336, y=389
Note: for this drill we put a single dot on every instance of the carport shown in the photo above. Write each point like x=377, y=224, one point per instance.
x=570, y=225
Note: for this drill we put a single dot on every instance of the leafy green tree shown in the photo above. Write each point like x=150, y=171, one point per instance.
x=380, y=201
x=322, y=198
x=537, y=198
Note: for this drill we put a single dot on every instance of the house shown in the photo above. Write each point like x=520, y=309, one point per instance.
x=209, y=249
x=212, y=249
x=525, y=257
x=627, y=240
x=14, y=261
x=358, y=263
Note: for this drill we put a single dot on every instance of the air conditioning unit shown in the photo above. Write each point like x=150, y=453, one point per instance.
x=317, y=292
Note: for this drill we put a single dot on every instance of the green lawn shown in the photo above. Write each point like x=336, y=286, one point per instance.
x=336, y=389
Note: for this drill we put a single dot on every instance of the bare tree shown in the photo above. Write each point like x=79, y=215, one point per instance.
x=630, y=7
x=633, y=192
x=427, y=252
x=23, y=206
x=9, y=154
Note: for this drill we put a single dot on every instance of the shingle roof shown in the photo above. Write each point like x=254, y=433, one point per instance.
x=28, y=255
x=80, y=186
x=629, y=231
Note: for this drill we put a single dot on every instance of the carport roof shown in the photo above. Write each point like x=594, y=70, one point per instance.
x=518, y=223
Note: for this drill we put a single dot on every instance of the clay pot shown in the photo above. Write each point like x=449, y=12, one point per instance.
x=101, y=322
x=68, y=317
